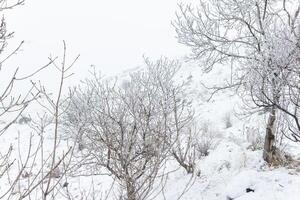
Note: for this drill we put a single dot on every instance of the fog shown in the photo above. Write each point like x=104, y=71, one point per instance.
x=111, y=35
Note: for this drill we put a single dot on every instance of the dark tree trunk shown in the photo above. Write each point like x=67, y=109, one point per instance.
x=131, y=193
x=269, y=146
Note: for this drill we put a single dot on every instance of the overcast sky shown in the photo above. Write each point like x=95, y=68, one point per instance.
x=113, y=35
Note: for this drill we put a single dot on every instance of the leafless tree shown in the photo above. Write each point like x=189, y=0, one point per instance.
x=130, y=127
x=41, y=171
x=38, y=172
x=11, y=105
x=258, y=39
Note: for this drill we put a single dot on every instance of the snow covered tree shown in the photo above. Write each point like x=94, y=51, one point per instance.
x=129, y=127
x=258, y=39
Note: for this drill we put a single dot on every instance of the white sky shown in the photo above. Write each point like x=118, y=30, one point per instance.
x=113, y=35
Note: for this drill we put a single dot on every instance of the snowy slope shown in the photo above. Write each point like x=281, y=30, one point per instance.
x=232, y=167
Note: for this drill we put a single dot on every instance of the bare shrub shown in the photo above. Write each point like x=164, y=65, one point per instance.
x=204, y=145
x=255, y=138
x=193, y=145
x=185, y=150
x=205, y=139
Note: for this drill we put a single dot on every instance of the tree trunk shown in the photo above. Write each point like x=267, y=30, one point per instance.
x=269, y=147
x=131, y=193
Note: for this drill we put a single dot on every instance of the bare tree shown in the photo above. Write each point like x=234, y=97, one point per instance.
x=11, y=105
x=130, y=127
x=41, y=170
x=37, y=170
x=258, y=39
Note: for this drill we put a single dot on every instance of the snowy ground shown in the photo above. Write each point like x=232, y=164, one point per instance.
x=232, y=167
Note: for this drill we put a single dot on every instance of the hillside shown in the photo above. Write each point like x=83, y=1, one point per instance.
x=233, y=168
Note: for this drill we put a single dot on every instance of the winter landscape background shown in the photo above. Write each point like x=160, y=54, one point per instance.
x=147, y=100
